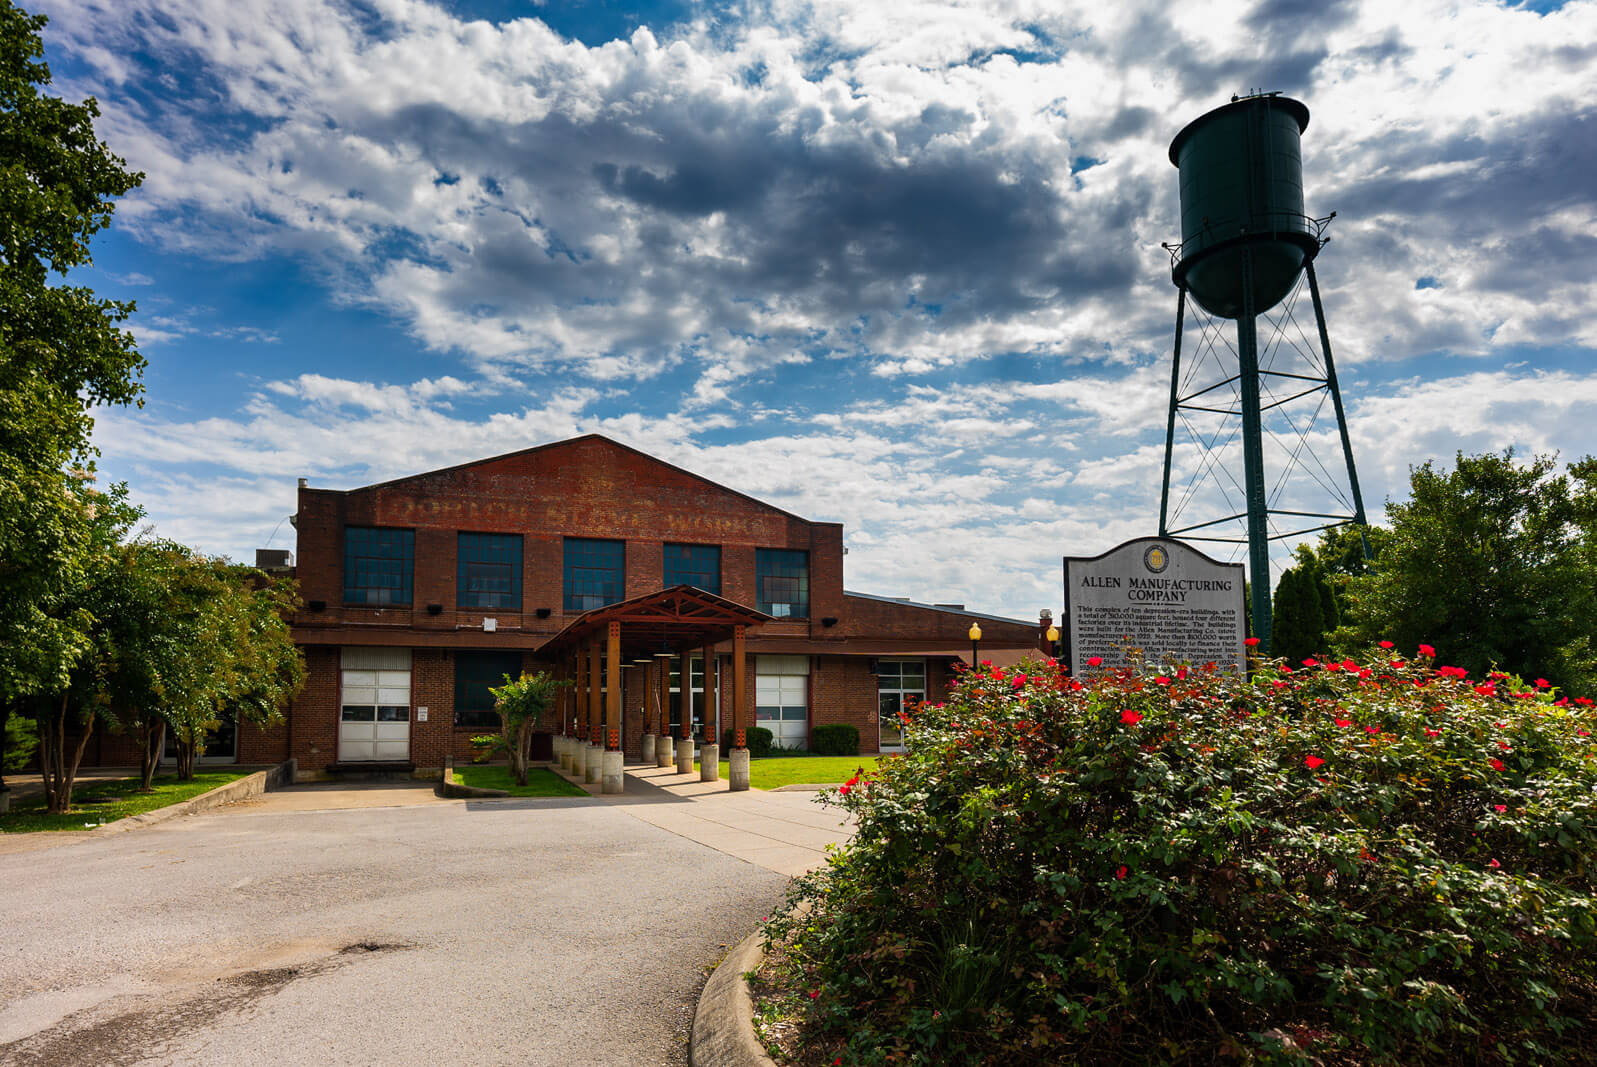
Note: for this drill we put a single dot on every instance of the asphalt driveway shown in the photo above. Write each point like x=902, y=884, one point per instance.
x=532, y=932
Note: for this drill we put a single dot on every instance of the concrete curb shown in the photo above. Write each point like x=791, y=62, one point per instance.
x=250, y=785
x=804, y=787
x=448, y=787
x=723, y=1025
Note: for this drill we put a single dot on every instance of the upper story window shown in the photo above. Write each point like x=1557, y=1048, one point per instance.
x=489, y=571
x=378, y=564
x=696, y=565
x=594, y=571
x=782, y=582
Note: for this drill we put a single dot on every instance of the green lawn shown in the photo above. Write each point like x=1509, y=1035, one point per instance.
x=772, y=771
x=541, y=782
x=106, y=801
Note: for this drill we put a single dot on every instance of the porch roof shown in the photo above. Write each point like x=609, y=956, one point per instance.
x=675, y=619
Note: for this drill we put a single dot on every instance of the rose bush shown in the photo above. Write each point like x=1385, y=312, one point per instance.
x=1381, y=861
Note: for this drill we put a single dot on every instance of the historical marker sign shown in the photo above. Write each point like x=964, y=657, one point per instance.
x=1156, y=594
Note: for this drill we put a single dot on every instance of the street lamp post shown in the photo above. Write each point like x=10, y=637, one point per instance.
x=1053, y=641
x=975, y=643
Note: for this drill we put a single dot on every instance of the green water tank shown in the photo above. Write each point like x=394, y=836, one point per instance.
x=1242, y=196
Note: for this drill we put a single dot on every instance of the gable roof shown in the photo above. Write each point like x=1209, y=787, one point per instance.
x=584, y=438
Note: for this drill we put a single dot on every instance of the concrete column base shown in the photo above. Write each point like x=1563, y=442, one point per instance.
x=562, y=757
x=614, y=776
x=593, y=770
x=737, y=770
x=665, y=751
x=648, y=748
x=684, y=755
x=578, y=756
x=709, y=763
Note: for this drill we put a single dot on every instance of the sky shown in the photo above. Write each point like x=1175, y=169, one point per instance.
x=896, y=265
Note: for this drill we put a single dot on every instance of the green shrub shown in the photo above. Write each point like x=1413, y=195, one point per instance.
x=758, y=738
x=834, y=739
x=1338, y=863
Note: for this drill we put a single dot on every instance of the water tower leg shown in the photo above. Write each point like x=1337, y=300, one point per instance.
x=1336, y=401
x=1253, y=459
x=1170, y=423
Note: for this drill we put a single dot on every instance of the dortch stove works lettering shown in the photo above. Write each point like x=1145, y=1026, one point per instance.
x=1159, y=595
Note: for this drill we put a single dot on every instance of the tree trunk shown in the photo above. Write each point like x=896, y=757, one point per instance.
x=59, y=769
x=153, y=735
x=5, y=720
x=185, y=760
x=518, y=752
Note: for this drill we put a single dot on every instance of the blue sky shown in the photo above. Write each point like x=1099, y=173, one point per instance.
x=894, y=265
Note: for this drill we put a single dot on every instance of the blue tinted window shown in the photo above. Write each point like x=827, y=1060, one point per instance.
x=696, y=565
x=593, y=573
x=782, y=582
x=489, y=571
x=475, y=674
x=378, y=565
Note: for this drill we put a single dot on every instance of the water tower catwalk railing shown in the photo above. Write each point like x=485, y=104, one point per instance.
x=1247, y=247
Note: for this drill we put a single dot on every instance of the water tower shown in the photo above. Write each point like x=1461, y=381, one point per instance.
x=1246, y=249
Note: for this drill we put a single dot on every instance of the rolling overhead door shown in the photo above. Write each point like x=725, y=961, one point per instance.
x=781, y=698
x=374, y=706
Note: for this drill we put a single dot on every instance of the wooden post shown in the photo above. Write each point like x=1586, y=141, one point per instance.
x=685, y=696
x=740, y=707
x=594, y=691
x=612, y=704
x=712, y=732
x=665, y=695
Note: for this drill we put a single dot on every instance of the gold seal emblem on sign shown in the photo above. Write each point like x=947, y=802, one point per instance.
x=1156, y=559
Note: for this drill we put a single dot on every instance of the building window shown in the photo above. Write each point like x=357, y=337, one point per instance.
x=378, y=565
x=475, y=674
x=593, y=573
x=695, y=565
x=489, y=571
x=900, y=687
x=782, y=582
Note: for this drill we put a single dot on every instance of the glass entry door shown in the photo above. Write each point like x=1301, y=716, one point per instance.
x=900, y=689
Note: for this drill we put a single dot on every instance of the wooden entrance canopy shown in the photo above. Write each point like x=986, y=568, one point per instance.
x=676, y=619
x=673, y=621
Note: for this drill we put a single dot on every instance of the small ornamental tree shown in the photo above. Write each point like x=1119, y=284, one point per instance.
x=521, y=705
x=1374, y=861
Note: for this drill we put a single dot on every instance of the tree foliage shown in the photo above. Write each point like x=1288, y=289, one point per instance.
x=1372, y=861
x=61, y=353
x=521, y=704
x=1298, y=617
x=1494, y=563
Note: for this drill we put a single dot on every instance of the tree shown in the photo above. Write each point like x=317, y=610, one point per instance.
x=240, y=656
x=521, y=705
x=1298, y=618
x=61, y=353
x=74, y=651
x=1493, y=563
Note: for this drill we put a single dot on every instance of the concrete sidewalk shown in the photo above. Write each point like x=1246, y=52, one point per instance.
x=782, y=832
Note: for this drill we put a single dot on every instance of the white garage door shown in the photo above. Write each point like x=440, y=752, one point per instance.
x=781, y=698
x=374, y=706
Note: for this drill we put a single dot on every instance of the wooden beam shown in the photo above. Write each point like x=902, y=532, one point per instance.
x=740, y=705
x=593, y=693
x=612, y=704
x=664, y=666
x=712, y=732
x=685, y=701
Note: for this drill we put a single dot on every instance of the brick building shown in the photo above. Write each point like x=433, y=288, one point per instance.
x=422, y=592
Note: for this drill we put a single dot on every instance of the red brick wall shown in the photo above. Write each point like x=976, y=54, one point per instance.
x=843, y=690
x=315, y=711
x=588, y=487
